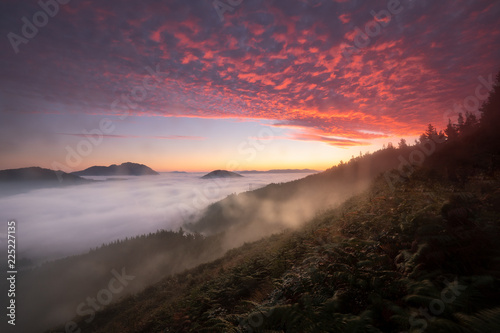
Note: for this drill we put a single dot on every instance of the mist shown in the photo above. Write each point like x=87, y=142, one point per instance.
x=58, y=222
x=55, y=223
x=220, y=214
x=250, y=216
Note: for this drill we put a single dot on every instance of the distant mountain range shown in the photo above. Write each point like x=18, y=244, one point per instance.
x=281, y=171
x=14, y=181
x=124, y=169
x=221, y=174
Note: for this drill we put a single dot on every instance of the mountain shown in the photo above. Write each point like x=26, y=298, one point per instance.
x=124, y=169
x=281, y=171
x=36, y=174
x=13, y=181
x=221, y=174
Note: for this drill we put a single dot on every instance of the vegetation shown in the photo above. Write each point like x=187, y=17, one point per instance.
x=147, y=258
x=417, y=254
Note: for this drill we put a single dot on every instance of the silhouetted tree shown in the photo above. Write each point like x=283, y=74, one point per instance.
x=470, y=124
x=402, y=144
x=451, y=131
x=429, y=134
x=490, y=112
x=460, y=122
x=441, y=136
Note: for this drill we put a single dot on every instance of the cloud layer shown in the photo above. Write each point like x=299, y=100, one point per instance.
x=302, y=64
x=53, y=223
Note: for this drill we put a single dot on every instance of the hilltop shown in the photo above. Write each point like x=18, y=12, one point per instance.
x=221, y=174
x=124, y=169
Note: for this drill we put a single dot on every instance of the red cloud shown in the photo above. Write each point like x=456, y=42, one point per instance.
x=282, y=61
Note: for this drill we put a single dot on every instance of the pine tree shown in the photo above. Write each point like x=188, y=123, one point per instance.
x=402, y=144
x=470, y=124
x=460, y=123
x=429, y=134
x=490, y=112
x=451, y=131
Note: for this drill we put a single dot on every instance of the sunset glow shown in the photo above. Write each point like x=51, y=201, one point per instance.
x=282, y=84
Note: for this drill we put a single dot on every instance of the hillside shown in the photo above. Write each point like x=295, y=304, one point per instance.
x=124, y=169
x=148, y=258
x=251, y=215
x=373, y=264
x=417, y=250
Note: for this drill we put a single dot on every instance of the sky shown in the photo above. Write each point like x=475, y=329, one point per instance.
x=234, y=84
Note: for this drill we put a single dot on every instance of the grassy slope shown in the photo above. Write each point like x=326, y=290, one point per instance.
x=421, y=256
x=233, y=221
x=376, y=263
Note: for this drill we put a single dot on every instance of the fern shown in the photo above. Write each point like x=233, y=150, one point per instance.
x=483, y=321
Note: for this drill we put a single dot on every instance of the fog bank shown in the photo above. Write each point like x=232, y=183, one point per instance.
x=57, y=222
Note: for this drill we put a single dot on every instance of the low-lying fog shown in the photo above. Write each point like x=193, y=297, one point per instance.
x=57, y=222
